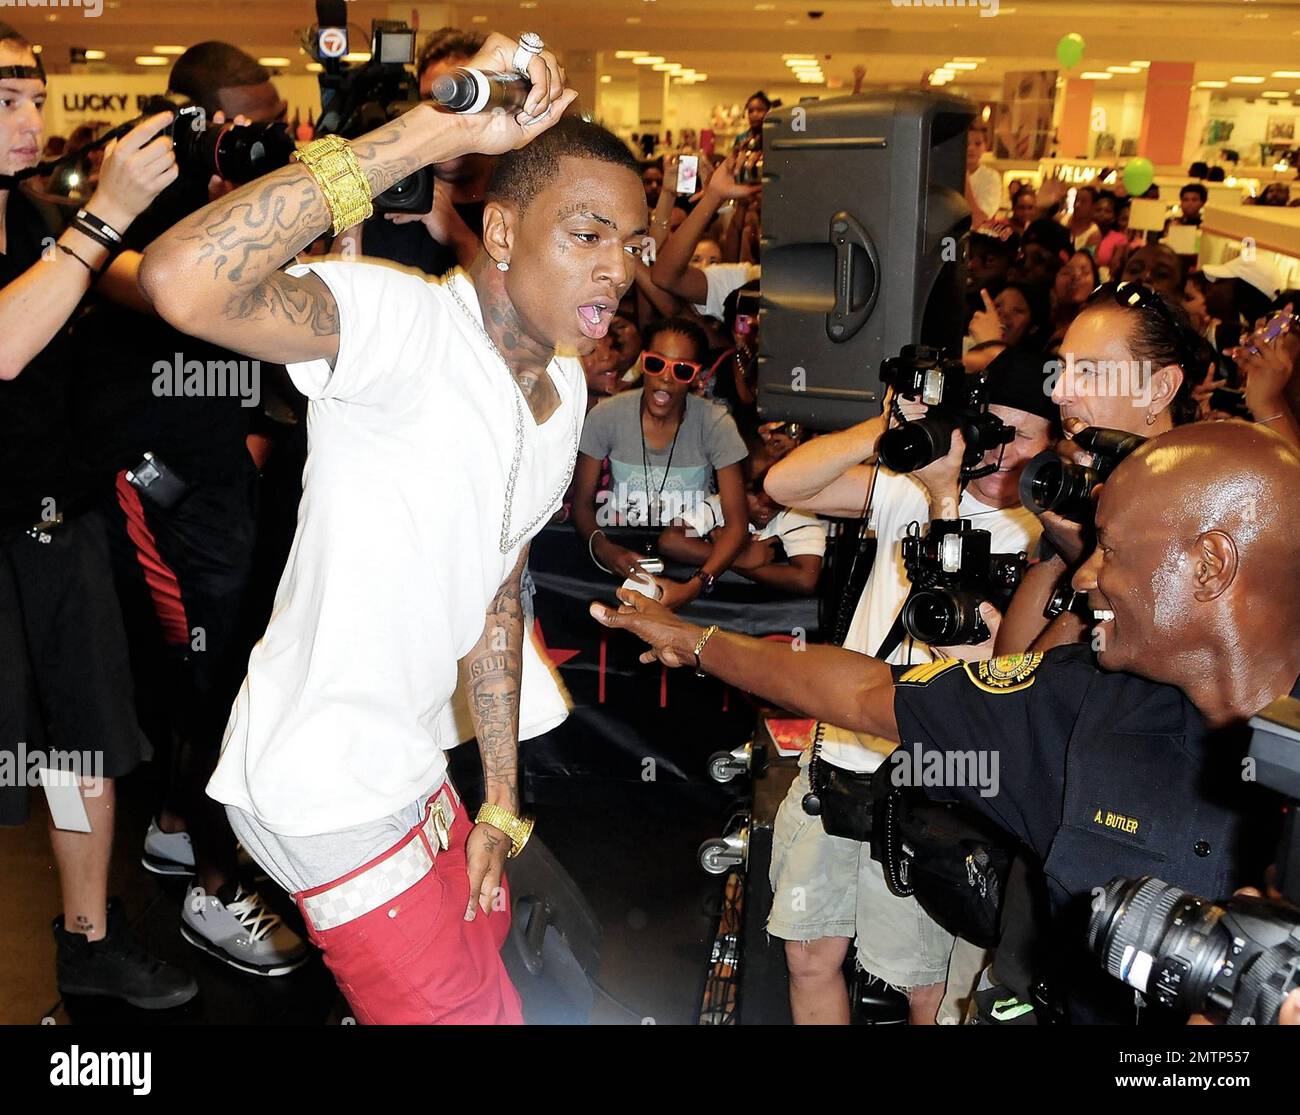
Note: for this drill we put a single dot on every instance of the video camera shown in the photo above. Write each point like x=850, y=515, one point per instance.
x=952, y=572
x=957, y=401
x=1049, y=483
x=358, y=99
x=1240, y=958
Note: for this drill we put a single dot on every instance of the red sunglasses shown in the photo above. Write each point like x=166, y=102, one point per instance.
x=683, y=371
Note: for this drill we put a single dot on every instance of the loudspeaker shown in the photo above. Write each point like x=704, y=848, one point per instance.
x=864, y=211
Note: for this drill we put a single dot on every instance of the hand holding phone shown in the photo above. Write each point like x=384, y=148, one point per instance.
x=688, y=170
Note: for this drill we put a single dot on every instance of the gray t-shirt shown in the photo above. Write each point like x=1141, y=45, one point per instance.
x=707, y=441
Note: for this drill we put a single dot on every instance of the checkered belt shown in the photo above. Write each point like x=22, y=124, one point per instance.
x=386, y=878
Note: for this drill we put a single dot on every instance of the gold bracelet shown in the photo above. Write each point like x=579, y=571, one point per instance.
x=333, y=165
x=518, y=829
x=709, y=632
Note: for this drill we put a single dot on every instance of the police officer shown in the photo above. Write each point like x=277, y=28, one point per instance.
x=1129, y=764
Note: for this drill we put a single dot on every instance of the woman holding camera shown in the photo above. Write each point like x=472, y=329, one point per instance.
x=65, y=685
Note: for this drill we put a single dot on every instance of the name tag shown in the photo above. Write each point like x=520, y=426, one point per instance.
x=1119, y=824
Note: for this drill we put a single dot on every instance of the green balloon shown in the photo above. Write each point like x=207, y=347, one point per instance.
x=1069, y=51
x=1138, y=176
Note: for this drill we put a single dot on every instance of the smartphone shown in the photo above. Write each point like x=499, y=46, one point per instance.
x=688, y=172
x=1276, y=326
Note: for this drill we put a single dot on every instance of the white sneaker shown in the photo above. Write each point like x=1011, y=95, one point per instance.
x=167, y=853
x=241, y=931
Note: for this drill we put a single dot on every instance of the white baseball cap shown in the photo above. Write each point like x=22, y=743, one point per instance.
x=1263, y=276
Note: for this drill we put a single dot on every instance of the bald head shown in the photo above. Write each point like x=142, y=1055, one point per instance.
x=1197, y=555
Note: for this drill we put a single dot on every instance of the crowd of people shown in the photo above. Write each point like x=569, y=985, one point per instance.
x=193, y=540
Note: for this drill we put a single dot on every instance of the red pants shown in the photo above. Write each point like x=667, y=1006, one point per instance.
x=416, y=960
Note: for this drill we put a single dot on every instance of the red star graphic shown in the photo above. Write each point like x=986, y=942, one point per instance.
x=557, y=656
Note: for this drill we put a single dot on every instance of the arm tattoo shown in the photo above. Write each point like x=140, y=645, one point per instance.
x=306, y=300
x=491, y=672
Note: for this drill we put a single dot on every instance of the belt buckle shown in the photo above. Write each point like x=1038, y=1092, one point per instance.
x=440, y=827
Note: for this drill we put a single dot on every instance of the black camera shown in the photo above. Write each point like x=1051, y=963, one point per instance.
x=957, y=401
x=1241, y=958
x=1050, y=483
x=358, y=99
x=952, y=572
x=237, y=153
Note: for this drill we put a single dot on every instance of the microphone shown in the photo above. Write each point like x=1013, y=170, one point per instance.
x=466, y=90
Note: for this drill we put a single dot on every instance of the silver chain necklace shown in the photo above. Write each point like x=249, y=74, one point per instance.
x=507, y=543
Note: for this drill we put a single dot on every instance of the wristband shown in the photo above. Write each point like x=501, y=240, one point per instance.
x=518, y=829
x=101, y=226
x=91, y=232
x=333, y=165
x=68, y=251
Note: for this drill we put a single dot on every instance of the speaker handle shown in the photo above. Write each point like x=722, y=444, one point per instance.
x=848, y=237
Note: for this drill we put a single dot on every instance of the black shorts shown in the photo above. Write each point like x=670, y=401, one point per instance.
x=65, y=681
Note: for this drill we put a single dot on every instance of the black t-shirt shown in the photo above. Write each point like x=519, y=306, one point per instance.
x=411, y=245
x=35, y=450
x=117, y=415
x=1099, y=774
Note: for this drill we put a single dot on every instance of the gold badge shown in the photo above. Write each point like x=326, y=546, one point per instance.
x=1007, y=674
x=926, y=672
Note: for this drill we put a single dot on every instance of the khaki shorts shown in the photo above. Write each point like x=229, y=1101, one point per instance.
x=826, y=886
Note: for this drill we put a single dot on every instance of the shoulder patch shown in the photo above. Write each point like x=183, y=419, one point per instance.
x=1007, y=674
x=926, y=672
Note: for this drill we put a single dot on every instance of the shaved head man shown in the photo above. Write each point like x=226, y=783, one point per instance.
x=1126, y=762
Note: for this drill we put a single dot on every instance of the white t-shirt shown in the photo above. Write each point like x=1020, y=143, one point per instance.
x=722, y=279
x=800, y=531
x=346, y=708
x=898, y=501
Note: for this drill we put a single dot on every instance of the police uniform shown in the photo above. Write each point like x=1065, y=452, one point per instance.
x=1099, y=774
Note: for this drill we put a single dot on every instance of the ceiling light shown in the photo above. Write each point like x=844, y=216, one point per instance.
x=150, y=60
x=478, y=19
x=1212, y=85
x=357, y=56
x=764, y=7
x=701, y=77
x=792, y=23
x=804, y=57
x=630, y=53
x=1286, y=73
x=1096, y=75
x=968, y=58
x=648, y=60
x=1248, y=80
x=169, y=50
x=959, y=66
x=99, y=56
x=634, y=19
x=1141, y=65
x=667, y=67
x=1124, y=69
x=315, y=68
x=605, y=79
x=272, y=63
x=1275, y=96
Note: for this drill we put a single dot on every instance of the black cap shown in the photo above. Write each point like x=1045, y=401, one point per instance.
x=1019, y=378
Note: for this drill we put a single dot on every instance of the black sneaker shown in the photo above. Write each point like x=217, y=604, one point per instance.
x=118, y=968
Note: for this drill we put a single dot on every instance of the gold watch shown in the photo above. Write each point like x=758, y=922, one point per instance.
x=519, y=829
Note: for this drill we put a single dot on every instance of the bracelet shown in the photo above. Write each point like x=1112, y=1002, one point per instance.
x=68, y=251
x=591, y=549
x=709, y=632
x=333, y=165
x=100, y=225
x=91, y=232
x=1270, y=418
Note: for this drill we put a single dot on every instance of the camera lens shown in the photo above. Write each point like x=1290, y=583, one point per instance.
x=942, y=617
x=1159, y=939
x=914, y=445
x=1049, y=483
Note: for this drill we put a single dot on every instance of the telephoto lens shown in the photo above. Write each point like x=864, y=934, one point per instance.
x=238, y=153
x=1188, y=954
x=944, y=617
x=913, y=445
x=1051, y=483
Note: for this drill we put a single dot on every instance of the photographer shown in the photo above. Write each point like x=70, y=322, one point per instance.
x=184, y=565
x=1127, y=362
x=65, y=684
x=834, y=475
x=1128, y=765
x=450, y=234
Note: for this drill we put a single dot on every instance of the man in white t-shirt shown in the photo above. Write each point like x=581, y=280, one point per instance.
x=443, y=426
x=828, y=890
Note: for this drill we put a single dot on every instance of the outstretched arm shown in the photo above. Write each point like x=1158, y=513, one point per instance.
x=850, y=690
x=216, y=273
